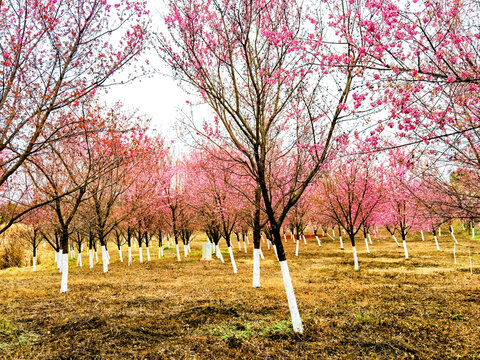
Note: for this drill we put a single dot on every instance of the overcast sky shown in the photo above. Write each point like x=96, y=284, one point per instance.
x=158, y=97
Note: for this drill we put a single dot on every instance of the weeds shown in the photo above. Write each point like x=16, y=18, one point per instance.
x=369, y=319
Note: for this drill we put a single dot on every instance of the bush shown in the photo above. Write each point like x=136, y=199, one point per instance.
x=14, y=250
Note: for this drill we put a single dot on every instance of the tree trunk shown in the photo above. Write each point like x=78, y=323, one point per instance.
x=256, y=239
x=104, y=258
x=436, y=240
x=366, y=245
x=160, y=244
x=354, y=250
x=34, y=254
x=287, y=281
x=219, y=253
x=64, y=243
x=177, y=248
x=404, y=240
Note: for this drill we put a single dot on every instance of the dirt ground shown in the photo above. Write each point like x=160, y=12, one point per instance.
x=422, y=308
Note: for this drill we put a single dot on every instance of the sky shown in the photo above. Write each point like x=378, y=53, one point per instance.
x=159, y=96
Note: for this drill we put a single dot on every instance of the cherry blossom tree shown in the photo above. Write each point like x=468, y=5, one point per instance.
x=53, y=54
x=401, y=208
x=265, y=70
x=349, y=194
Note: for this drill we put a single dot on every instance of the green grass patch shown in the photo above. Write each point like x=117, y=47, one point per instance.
x=456, y=316
x=243, y=331
x=365, y=318
x=283, y=327
x=6, y=327
x=12, y=336
x=236, y=331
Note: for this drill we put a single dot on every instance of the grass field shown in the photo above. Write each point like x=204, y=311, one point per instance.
x=422, y=308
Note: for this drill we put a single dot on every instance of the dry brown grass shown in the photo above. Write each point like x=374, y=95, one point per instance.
x=14, y=247
x=422, y=308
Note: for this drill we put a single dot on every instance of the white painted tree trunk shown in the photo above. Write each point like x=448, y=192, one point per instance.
x=108, y=255
x=34, y=263
x=159, y=252
x=405, y=249
x=285, y=237
x=355, y=258
x=80, y=259
x=185, y=250
x=292, y=301
x=56, y=258
x=96, y=256
x=304, y=240
x=104, y=259
x=296, y=248
x=323, y=232
x=120, y=254
x=140, y=253
x=263, y=240
x=454, y=238
x=366, y=244
x=248, y=241
x=333, y=232
x=330, y=236
x=293, y=238
x=473, y=232
x=275, y=250
x=436, y=242
x=90, y=257
x=239, y=246
x=318, y=241
x=148, y=254
x=268, y=244
x=129, y=256
x=439, y=231
x=261, y=254
x=219, y=255
x=60, y=260
x=64, y=285
x=244, y=246
x=454, y=253
x=370, y=239
x=423, y=237
x=232, y=259
x=341, y=243
x=256, y=268
x=178, y=252
x=396, y=241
